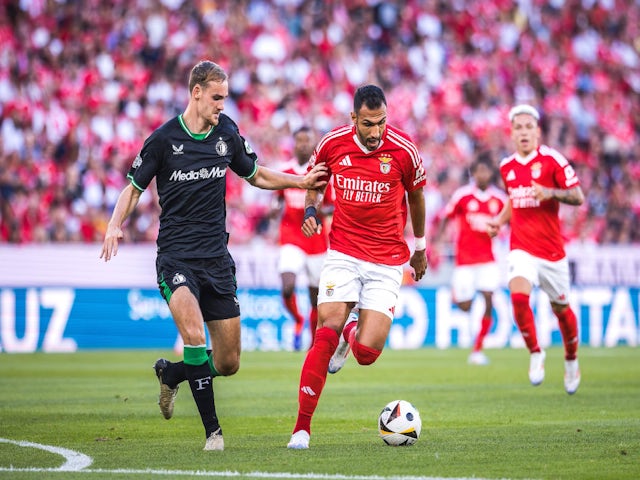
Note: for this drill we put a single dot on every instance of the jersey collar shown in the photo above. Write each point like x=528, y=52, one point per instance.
x=195, y=136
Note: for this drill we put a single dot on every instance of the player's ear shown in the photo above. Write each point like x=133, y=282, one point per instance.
x=354, y=117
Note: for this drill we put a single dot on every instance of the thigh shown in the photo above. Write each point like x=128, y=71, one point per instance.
x=555, y=280
x=380, y=287
x=187, y=316
x=218, y=300
x=522, y=265
x=373, y=328
x=225, y=344
x=339, y=280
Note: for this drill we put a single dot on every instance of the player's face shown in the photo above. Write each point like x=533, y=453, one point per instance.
x=482, y=176
x=525, y=133
x=303, y=147
x=211, y=100
x=370, y=125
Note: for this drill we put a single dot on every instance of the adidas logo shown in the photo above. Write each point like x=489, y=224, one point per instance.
x=308, y=390
x=345, y=162
x=178, y=150
x=511, y=175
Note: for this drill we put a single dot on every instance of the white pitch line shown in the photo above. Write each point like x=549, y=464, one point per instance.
x=75, y=461
x=78, y=462
x=203, y=473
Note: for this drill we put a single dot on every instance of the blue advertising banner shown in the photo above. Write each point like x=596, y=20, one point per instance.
x=66, y=319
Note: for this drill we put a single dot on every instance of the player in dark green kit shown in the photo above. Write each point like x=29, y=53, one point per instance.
x=190, y=156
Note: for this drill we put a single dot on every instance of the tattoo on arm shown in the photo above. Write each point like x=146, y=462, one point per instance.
x=573, y=196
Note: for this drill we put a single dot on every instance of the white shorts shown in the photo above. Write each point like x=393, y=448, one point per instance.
x=466, y=280
x=552, y=277
x=372, y=286
x=295, y=260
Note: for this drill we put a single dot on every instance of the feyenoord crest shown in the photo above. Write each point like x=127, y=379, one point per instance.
x=385, y=163
x=536, y=169
x=221, y=147
x=330, y=289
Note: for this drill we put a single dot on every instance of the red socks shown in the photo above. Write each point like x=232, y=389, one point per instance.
x=523, y=316
x=485, y=326
x=569, y=328
x=292, y=306
x=314, y=375
x=313, y=323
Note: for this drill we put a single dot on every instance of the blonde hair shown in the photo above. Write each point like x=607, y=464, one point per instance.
x=523, y=108
x=204, y=72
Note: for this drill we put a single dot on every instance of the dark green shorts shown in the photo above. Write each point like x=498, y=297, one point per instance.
x=211, y=280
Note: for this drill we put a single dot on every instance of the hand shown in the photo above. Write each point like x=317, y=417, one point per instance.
x=419, y=263
x=313, y=179
x=311, y=225
x=110, y=244
x=541, y=193
x=493, y=227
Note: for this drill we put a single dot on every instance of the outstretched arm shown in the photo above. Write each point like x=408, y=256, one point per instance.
x=126, y=203
x=417, y=211
x=269, y=179
x=571, y=196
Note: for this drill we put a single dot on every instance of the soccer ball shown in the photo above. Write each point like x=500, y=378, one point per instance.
x=399, y=423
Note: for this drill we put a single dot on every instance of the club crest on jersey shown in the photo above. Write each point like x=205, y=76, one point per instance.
x=330, y=289
x=473, y=205
x=536, y=170
x=385, y=163
x=221, y=147
x=494, y=206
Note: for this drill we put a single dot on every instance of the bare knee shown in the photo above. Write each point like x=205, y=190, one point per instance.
x=227, y=366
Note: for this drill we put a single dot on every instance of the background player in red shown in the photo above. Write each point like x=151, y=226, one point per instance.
x=476, y=270
x=297, y=252
x=375, y=169
x=537, y=178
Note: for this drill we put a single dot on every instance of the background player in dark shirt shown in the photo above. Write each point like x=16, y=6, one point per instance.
x=189, y=157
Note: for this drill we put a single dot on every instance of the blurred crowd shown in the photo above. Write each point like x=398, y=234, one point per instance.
x=83, y=83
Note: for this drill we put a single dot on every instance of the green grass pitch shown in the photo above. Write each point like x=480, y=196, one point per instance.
x=478, y=422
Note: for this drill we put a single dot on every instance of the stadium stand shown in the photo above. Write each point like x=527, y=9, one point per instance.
x=82, y=83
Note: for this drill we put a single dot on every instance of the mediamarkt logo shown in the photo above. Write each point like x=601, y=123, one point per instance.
x=202, y=174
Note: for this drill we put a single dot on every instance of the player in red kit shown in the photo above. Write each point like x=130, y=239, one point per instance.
x=537, y=178
x=376, y=169
x=297, y=252
x=471, y=207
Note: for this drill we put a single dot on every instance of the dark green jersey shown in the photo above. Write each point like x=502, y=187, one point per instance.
x=190, y=177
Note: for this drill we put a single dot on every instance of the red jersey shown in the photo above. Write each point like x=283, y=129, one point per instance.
x=370, y=192
x=535, y=227
x=472, y=208
x=293, y=215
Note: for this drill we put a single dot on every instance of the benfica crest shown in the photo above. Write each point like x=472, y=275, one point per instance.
x=330, y=288
x=385, y=163
x=536, y=169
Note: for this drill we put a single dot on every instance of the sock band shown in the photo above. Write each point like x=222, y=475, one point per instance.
x=195, y=354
